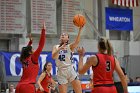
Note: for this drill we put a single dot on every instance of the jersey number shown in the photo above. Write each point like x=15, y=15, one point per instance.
x=62, y=57
x=108, y=66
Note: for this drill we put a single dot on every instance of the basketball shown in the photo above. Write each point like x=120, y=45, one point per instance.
x=79, y=20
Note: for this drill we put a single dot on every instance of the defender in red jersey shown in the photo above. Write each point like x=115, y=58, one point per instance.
x=29, y=60
x=103, y=65
x=45, y=80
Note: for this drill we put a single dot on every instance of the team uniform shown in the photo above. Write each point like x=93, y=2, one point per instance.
x=30, y=69
x=103, y=74
x=66, y=72
x=46, y=84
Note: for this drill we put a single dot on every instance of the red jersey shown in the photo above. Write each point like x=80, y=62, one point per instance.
x=104, y=69
x=46, y=83
x=30, y=64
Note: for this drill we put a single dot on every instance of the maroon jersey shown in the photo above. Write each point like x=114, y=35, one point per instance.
x=46, y=83
x=30, y=64
x=103, y=71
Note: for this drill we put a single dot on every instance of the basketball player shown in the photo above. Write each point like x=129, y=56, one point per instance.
x=62, y=53
x=103, y=65
x=29, y=60
x=45, y=80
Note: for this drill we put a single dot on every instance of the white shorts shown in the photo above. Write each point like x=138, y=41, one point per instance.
x=65, y=75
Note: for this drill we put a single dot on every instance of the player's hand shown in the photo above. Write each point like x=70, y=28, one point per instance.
x=41, y=88
x=44, y=25
x=81, y=51
x=30, y=37
x=63, y=47
x=125, y=91
x=53, y=88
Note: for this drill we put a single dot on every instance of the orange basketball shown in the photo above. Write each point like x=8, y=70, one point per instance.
x=79, y=20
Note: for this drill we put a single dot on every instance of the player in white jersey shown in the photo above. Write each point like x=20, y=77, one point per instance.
x=62, y=53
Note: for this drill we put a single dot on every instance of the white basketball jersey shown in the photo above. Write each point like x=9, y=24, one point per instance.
x=65, y=57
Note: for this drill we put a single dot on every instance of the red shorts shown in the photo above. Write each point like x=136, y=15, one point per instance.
x=25, y=88
x=104, y=89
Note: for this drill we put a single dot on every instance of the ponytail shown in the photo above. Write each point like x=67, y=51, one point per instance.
x=105, y=45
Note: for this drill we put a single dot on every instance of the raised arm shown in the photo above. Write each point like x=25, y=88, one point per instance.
x=42, y=76
x=121, y=75
x=36, y=54
x=74, y=44
x=30, y=40
x=90, y=61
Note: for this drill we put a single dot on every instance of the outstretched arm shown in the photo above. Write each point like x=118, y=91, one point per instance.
x=90, y=61
x=36, y=54
x=121, y=75
x=74, y=44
